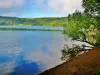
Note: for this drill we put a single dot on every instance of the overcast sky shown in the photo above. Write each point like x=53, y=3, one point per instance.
x=39, y=8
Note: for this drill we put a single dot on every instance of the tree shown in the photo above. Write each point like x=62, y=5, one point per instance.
x=92, y=6
x=85, y=27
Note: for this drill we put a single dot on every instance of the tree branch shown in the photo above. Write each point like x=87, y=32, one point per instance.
x=81, y=40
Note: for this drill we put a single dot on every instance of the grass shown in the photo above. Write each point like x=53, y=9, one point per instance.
x=21, y=29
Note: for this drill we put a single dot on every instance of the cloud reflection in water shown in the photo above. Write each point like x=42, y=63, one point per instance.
x=29, y=52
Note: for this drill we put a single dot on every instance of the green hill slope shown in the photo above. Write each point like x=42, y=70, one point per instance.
x=52, y=21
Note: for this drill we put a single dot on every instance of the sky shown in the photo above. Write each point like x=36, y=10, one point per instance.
x=39, y=8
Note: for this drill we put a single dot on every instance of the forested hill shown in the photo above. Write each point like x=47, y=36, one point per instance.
x=50, y=21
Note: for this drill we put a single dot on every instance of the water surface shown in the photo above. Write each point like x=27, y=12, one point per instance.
x=29, y=52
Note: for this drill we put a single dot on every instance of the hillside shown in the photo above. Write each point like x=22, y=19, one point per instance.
x=50, y=21
x=85, y=64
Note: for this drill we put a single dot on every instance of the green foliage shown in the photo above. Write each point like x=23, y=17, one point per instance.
x=33, y=21
x=92, y=6
x=97, y=72
x=83, y=27
x=68, y=53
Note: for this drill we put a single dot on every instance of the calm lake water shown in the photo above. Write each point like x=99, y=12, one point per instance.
x=29, y=52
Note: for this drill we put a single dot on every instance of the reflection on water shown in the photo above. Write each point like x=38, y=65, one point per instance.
x=26, y=68
x=32, y=28
x=19, y=68
x=29, y=52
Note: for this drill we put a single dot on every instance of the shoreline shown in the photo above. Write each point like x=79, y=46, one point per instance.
x=86, y=63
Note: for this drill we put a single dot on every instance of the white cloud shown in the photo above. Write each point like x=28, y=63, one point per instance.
x=63, y=6
x=50, y=58
x=67, y=6
x=12, y=14
x=5, y=3
x=11, y=3
x=19, y=2
x=44, y=59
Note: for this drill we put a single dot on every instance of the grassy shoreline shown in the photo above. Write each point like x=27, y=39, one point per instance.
x=24, y=29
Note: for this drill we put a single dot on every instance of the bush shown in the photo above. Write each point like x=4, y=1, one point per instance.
x=97, y=72
x=68, y=53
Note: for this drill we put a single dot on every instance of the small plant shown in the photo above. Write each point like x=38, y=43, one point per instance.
x=68, y=53
x=97, y=72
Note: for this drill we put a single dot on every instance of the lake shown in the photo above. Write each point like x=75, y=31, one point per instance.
x=29, y=52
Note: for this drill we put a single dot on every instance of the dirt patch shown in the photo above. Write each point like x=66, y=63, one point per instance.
x=85, y=64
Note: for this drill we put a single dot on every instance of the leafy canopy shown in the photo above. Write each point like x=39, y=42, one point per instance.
x=92, y=6
x=85, y=27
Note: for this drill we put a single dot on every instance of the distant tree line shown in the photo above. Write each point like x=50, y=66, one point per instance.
x=14, y=21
